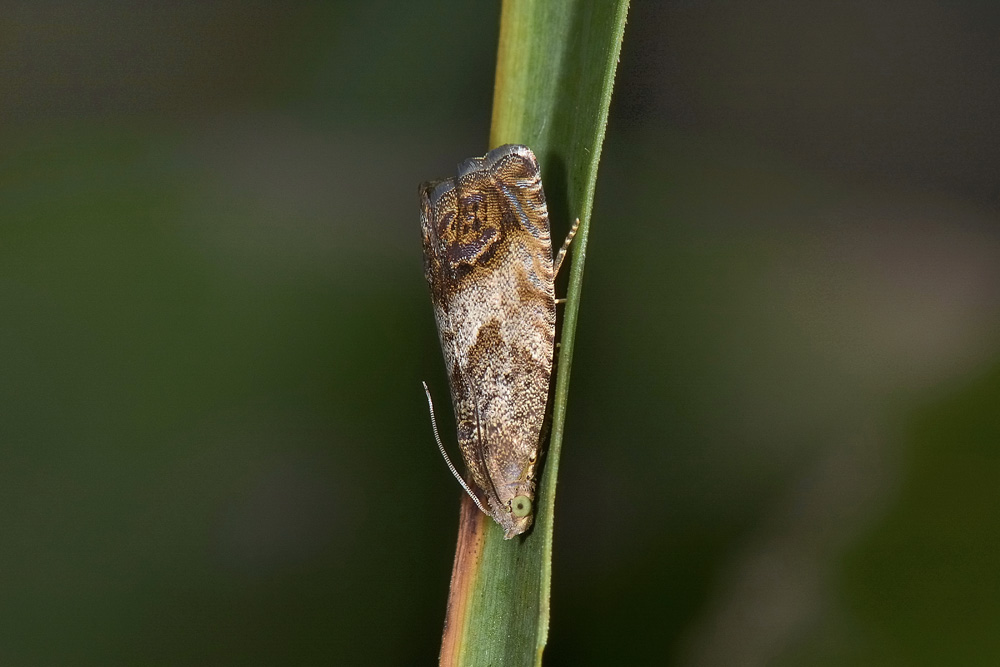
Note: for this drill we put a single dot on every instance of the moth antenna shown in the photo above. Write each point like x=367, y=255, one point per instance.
x=482, y=454
x=565, y=246
x=451, y=467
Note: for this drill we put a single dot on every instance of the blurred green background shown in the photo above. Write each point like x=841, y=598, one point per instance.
x=782, y=443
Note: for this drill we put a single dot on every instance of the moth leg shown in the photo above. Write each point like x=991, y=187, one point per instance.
x=565, y=246
x=451, y=467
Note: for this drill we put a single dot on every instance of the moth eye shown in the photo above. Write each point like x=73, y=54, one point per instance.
x=520, y=506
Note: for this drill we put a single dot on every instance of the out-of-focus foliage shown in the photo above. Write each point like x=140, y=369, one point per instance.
x=782, y=439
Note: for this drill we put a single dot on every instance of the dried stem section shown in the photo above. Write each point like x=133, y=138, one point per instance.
x=468, y=554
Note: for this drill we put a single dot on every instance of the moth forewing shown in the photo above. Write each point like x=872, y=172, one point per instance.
x=488, y=262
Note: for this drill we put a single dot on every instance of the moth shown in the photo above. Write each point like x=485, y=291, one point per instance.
x=488, y=262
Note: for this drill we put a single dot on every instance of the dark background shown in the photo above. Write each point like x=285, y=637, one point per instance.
x=783, y=432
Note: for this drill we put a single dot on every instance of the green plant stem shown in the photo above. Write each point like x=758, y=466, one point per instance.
x=555, y=72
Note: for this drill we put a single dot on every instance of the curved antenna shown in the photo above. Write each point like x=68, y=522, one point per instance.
x=437, y=438
x=482, y=454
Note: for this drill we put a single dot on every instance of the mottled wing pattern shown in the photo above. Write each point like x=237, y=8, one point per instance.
x=488, y=261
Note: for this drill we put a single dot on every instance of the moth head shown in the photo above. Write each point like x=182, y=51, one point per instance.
x=515, y=511
x=520, y=512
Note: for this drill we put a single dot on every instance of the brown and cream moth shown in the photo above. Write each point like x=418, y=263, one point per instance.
x=488, y=262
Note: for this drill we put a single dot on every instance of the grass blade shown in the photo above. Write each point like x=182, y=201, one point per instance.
x=555, y=72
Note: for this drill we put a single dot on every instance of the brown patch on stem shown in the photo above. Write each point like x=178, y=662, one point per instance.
x=464, y=572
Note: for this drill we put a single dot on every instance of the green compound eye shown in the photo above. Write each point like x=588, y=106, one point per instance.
x=520, y=506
